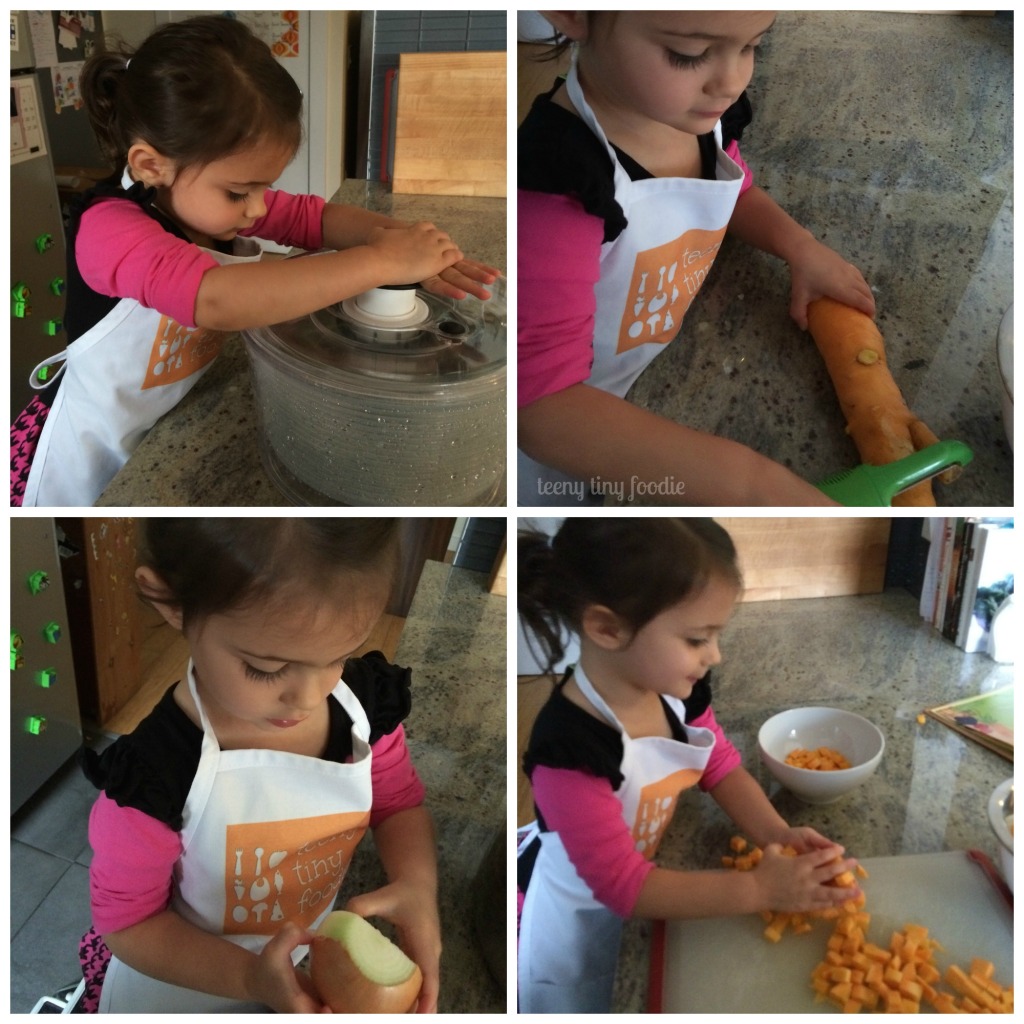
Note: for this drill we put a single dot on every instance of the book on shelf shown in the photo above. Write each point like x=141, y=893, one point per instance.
x=986, y=718
x=968, y=576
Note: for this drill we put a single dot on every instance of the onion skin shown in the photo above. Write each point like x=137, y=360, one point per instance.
x=345, y=989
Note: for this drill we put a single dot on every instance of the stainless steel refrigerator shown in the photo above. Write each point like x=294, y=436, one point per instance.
x=37, y=231
x=46, y=728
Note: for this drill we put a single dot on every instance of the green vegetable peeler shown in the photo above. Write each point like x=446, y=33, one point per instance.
x=878, y=485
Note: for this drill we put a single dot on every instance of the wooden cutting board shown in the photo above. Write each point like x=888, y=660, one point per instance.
x=725, y=965
x=451, y=125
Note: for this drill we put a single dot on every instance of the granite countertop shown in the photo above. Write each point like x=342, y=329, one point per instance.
x=454, y=641
x=872, y=655
x=889, y=136
x=205, y=452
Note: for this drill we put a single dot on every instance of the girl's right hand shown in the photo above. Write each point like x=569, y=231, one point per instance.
x=413, y=253
x=798, y=884
x=274, y=980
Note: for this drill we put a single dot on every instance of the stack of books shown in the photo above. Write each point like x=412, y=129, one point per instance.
x=968, y=576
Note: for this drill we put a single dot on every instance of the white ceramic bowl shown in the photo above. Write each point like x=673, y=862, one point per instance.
x=857, y=739
x=1000, y=817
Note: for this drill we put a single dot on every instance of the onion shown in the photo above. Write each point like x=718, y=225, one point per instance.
x=356, y=969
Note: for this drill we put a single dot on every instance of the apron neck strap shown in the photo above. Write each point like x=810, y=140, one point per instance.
x=579, y=101
x=588, y=691
x=345, y=697
x=208, y=733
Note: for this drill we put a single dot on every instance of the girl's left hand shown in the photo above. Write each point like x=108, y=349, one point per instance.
x=414, y=914
x=820, y=272
x=462, y=278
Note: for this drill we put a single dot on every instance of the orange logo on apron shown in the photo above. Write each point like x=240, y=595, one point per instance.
x=656, y=805
x=665, y=281
x=277, y=871
x=178, y=352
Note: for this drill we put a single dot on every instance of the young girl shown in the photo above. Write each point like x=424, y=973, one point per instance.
x=626, y=731
x=228, y=818
x=629, y=176
x=199, y=122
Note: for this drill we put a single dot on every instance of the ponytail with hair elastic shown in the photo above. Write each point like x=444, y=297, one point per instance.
x=537, y=596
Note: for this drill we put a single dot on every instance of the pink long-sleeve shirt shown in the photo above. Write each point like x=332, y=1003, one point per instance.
x=134, y=854
x=121, y=251
x=587, y=815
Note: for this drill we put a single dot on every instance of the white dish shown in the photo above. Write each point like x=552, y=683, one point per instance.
x=858, y=740
x=1002, y=825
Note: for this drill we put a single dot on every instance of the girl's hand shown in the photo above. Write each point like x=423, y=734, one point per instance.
x=413, y=912
x=413, y=253
x=273, y=979
x=798, y=884
x=804, y=839
x=460, y=279
x=820, y=272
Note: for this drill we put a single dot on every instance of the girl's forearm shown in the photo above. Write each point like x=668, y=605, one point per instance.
x=242, y=295
x=407, y=848
x=759, y=221
x=649, y=456
x=346, y=226
x=168, y=948
x=668, y=894
x=740, y=796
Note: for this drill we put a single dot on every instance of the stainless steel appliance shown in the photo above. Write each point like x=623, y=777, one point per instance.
x=37, y=230
x=45, y=726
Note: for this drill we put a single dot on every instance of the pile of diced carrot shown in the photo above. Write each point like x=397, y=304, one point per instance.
x=824, y=759
x=856, y=974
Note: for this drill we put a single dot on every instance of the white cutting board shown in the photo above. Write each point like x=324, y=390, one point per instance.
x=725, y=965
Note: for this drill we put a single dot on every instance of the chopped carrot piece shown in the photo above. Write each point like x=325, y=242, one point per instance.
x=982, y=968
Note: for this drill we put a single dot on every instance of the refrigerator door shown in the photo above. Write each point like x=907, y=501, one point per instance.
x=21, y=42
x=37, y=242
x=45, y=726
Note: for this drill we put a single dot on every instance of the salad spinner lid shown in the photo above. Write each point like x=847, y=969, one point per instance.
x=402, y=335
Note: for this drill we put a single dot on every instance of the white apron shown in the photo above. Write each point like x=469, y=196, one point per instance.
x=649, y=276
x=568, y=942
x=267, y=838
x=119, y=378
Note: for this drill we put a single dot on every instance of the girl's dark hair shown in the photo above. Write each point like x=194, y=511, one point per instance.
x=558, y=45
x=215, y=565
x=635, y=567
x=196, y=91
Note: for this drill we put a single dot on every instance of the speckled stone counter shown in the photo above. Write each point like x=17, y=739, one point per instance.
x=890, y=136
x=205, y=452
x=454, y=641
x=872, y=655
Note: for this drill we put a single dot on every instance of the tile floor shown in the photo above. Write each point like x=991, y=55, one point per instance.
x=50, y=886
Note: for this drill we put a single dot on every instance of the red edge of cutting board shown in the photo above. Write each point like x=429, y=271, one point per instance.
x=656, y=975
